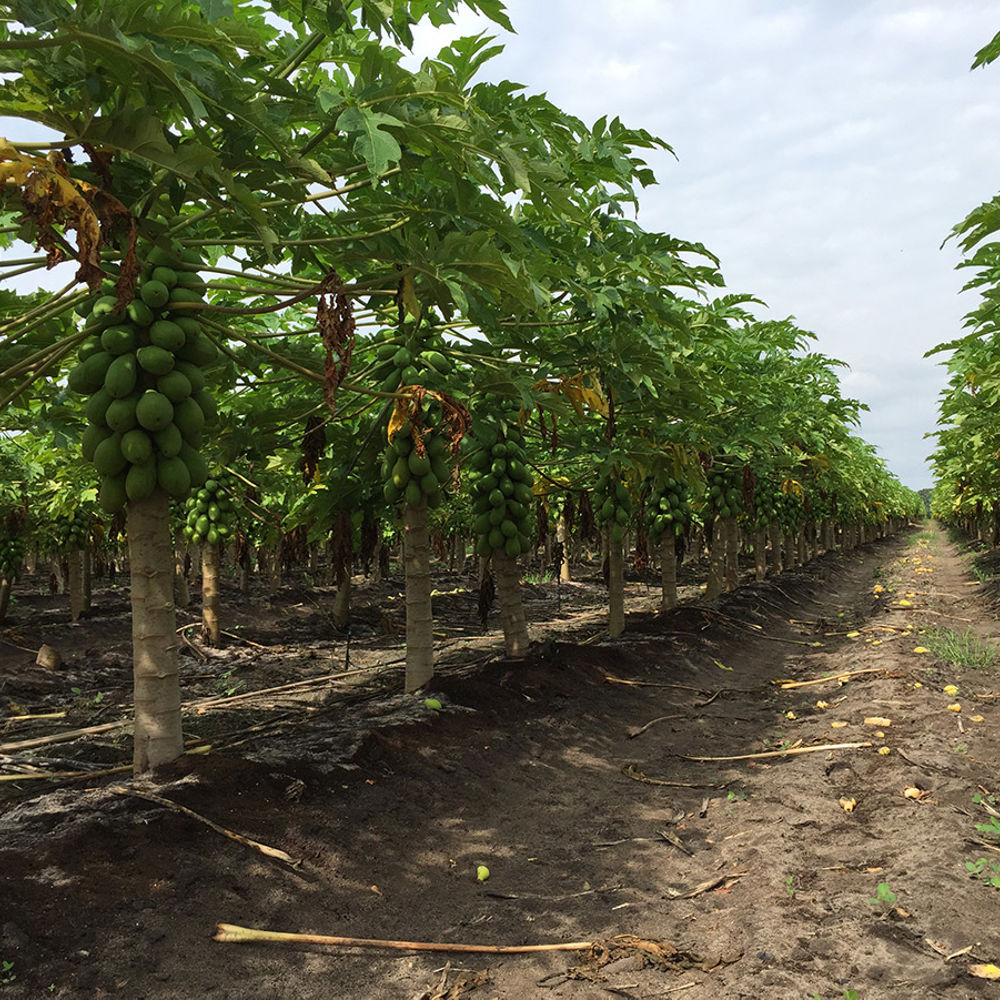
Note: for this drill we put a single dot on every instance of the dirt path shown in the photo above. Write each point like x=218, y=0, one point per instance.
x=804, y=875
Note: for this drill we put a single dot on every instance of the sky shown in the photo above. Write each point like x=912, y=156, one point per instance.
x=824, y=149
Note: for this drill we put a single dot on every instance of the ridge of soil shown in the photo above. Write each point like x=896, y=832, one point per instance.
x=567, y=774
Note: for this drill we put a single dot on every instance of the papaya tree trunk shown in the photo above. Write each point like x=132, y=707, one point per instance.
x=760, y=553
x=158, y=739
x=6, y=584
x=508, y=584
x=77, y=597
x=419, y=615
x=88, y=577
x=732, y=553
x=210, y=603
x=562, y=536
x=616, y=584
x=182, y=593
x=342, y=601
x=716, y=560
x=668, y=571
x=774, y=534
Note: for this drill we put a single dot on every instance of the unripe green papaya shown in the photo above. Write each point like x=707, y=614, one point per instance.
x=154, y=411
x=175, y=385
x=185, y=296
x=168, y=335
x=419, y=465
x=512, y=546
x=120, y=415
x=111, y=495
x=165, y=275
x=429, y=484
x=199, y=351
x=168, y=441
x=97, y=407
x=108, y=458
x=121, y=377
x=413, y=493
x=136, y=446
x=118, y=339
x=173, y=476
x=496, y=539
x=154, y=293
x=92, y=436
x=192, y=373
x=437, y=361
x=154, y=360
x=206, y=402
x=401, y=473
x=140, y=481
x=188, y=416
x=139, y=313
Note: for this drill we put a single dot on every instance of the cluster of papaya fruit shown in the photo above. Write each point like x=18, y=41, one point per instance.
x=724, y=498
x=12, y=549
x=417, y=361
x=143, y=370
x=616, y=507
x=500, y=485
x=211, y=516
x=775, y=505
x=413, y=471
x=72, y=530
x=670, y=510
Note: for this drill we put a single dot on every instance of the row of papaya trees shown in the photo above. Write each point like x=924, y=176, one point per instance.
x=966, y=461
x=311, y=289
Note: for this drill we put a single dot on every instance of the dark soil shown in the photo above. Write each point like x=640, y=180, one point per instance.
x=568, y=775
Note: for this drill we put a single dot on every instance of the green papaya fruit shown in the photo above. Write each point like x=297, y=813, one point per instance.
x=154, y=411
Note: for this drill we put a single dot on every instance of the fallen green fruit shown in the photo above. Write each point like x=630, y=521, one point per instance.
x=432, y=703
x=482, y=873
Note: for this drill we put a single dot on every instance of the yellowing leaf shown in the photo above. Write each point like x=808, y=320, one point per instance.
x=976, y=718
x=722, y=666
x=955, y=708
x=920, y=649
x=877, y=720
x=884, y=751
x=790, y=715
x=878, y=589
x=904, y=603
x=822, y=704
x=853, y=635
x=848, y=805
x=837, y=725
x=985, y=971
x=912, y=792
x=951, y=689
x=917, y=684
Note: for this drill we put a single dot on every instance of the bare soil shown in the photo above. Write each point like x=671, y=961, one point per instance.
x=577, y=776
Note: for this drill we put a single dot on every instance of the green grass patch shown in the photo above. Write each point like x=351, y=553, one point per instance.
x=963, y=650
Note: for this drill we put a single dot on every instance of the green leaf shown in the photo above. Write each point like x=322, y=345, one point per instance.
x=216, y=9
x=378, y=148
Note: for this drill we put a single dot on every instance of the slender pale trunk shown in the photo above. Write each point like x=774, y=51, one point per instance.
x=616, y=585
x=88, y=577
x=508, y=584
x=342, y=602
x=716, y=560
x=801, y=547
x=562, y=536
x=77, y=597
x=760, y=553
x=419, y=615
x=158, y=738
x=6, y=583
x=668, y=571
x=790, y=549
x=182, y=593
x=60, y=575
x=732, y=530
x=210, y=631
x=774, y=534
x=376, y=569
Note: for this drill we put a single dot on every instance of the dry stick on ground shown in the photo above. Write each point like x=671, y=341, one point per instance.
x=846, y=675
x=231, y=933
x=66, y=775
x=722, y=880
x=636, y=775
x=633, y=733
x=271, y=852
x=781, y=753
x=64, y=736
x=609, y=679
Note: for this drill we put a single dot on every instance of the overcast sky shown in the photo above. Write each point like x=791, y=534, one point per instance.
x=825, y=148
x=824, y=151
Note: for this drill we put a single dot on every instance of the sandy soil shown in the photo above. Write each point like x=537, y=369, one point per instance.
x=578, y=777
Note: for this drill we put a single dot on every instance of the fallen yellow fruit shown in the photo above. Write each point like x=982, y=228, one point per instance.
x=920, y=649
x=903, y=603
x=955, y=708
x=883, y=751
x=837, y=725
x=950, y=689
x=482, y=873
x=976, y=718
